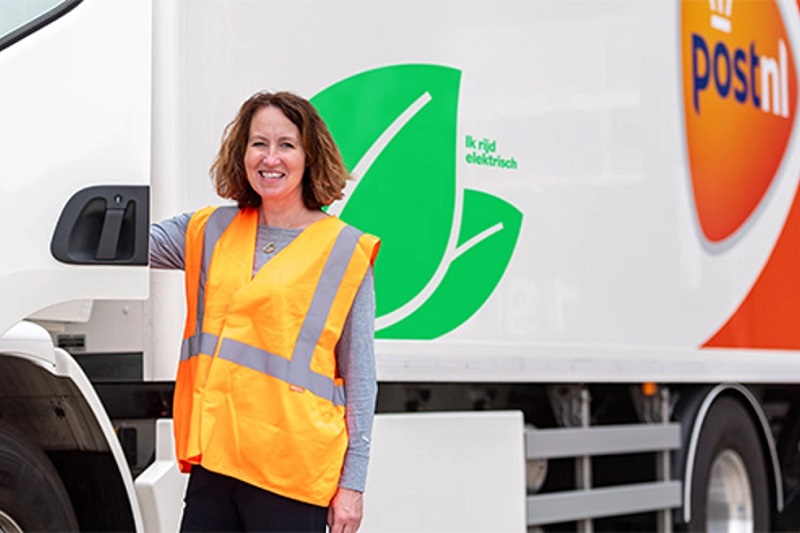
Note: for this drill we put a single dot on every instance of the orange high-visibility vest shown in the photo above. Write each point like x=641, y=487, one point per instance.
x=258, y=396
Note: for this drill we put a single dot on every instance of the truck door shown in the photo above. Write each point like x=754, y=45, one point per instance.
x=74, y=152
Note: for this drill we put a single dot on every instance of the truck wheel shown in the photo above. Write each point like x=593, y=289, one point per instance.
x=32, y=496
x=729, y=481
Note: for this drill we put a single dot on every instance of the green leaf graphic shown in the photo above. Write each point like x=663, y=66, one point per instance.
x=407, y=196
x=472, y=276
x=396, y=128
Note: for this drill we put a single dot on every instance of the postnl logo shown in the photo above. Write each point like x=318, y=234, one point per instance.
x=739, y=93
x=444, y=247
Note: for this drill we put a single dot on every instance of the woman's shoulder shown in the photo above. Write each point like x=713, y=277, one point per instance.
x=351, y=228
x=367, y=242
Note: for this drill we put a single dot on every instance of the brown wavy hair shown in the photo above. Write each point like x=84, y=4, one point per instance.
x=325, y=175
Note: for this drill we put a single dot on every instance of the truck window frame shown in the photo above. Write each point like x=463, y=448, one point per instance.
x=37, y=23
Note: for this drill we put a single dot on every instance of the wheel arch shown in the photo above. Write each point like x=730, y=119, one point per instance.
x=694, y=414
x=45, y=395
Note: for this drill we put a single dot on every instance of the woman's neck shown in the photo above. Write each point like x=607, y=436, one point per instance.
x=296, y=218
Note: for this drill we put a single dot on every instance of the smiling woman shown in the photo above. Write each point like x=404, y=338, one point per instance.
x=324, y=176
x=275, y=162
x=279, y=333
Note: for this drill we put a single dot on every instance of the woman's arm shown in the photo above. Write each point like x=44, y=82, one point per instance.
x=167, y=242
x=355, y=356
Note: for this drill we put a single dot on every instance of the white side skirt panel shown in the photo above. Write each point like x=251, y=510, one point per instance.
x=160, y=488
x=441, y=472
x=428, y=472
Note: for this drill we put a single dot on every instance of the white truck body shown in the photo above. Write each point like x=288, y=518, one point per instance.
x=611, y=263
x=575, y=198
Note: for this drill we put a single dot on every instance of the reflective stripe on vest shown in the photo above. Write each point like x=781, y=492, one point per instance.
x=296, y=371
x=201, y=342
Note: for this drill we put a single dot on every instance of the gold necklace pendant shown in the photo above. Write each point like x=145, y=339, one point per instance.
x=268, y=248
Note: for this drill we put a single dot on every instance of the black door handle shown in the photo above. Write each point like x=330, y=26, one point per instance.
x=104, y=225
x=109, y=235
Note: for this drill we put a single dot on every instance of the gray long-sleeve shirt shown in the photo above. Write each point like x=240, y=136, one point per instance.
x=355, y=355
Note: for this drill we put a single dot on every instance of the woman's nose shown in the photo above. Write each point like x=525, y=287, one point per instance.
x=271, y=157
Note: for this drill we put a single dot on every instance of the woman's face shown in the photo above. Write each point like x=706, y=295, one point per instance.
x=275, y=159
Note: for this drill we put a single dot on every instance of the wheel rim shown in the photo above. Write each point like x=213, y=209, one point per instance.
x=7, y=524
x=730, y=502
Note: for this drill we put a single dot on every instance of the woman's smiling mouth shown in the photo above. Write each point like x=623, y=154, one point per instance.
x=270, y=175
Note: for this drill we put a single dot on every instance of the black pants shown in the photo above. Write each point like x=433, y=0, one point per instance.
x=220, y=503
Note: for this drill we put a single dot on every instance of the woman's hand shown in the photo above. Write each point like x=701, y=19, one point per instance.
x=345, y=511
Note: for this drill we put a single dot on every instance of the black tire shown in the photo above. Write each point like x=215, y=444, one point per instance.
x=32, y=495
x=788, y=444
x=729, y=435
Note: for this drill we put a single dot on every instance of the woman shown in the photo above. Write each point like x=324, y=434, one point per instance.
x=276, y=386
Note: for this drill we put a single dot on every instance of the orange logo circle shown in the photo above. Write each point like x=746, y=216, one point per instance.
x=739, y=94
